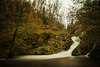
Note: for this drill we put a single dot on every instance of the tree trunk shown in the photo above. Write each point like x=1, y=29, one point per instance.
x=11, y=52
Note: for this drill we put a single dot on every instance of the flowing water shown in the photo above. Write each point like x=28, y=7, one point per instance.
x=62, y=54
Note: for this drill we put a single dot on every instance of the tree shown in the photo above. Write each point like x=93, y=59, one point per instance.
x=15, y=13
x=72, y=27
x=88, y=17
x=49, y=13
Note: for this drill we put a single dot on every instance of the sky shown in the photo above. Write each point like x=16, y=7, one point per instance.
x=66, y=3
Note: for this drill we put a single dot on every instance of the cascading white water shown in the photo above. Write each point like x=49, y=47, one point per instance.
x=61, y=54
x=76, y=41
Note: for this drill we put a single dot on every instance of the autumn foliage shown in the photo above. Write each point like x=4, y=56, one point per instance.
x=27, y=28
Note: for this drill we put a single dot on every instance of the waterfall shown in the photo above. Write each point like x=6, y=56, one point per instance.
x=76, y=41
x=87, y=54
x=61, y=54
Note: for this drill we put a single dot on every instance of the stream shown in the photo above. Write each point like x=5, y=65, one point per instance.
x=61, y=59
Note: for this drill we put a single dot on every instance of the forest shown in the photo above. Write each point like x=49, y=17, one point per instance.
x=36, y=28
